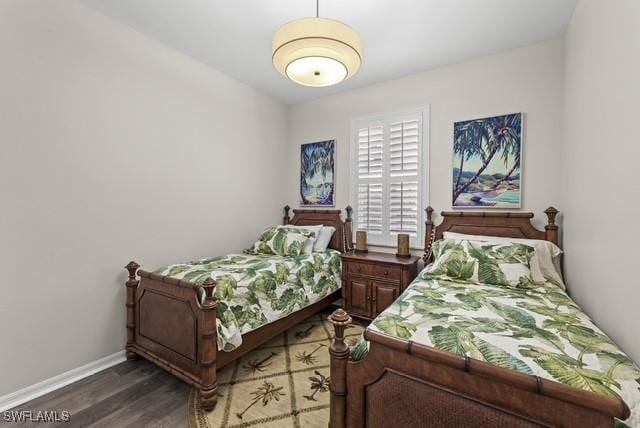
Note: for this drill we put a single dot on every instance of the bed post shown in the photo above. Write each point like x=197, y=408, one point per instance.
x=132, y=286
x=348, y=230
x=429, y=234
x=208, y=347
x=339, y=352
x=286, y=218
x=551, y=229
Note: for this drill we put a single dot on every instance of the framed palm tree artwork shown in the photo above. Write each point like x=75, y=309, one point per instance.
x=317, y=173
x=487, y=162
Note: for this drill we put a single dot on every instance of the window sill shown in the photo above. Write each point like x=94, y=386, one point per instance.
x=412, y=248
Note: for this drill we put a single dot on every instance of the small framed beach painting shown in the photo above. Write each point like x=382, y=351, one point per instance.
x=487, y=162
x=317, y=174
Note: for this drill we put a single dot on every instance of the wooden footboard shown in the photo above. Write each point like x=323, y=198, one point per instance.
x=168, y=325
x=406, y=384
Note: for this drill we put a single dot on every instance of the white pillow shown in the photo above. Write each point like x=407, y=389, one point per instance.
x=545, y=263
x=323, y=240
x=308, y=247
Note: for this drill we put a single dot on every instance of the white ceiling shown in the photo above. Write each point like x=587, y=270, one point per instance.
x=400, y=37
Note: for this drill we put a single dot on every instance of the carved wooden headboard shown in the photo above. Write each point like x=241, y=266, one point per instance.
x=341, y=240
x=503, y=224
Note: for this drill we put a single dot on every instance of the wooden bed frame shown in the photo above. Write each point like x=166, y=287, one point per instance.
x=167, y=324
x=407, y=384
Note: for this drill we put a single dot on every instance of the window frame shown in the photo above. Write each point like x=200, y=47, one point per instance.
x=388, y=239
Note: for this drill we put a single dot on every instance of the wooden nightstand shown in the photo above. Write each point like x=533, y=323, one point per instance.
x=372, y=281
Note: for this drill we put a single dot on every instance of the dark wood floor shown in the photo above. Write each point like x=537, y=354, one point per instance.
x=131, y=394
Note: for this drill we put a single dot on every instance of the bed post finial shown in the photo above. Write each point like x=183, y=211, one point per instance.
x=340, y=320
x=551, y=229
x=132, y=286
x=208, y=347
x=286, y=218
x=339, y=352
x=349, y=210
x=132, y=268
x=209, y=286
x=551, y=213
x=429, y=234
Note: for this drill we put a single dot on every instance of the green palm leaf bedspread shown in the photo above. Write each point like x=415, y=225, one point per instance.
x=256, y=289
x=535, y=331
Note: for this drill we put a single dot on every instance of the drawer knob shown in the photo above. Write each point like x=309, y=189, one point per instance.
x=359, y=269
x=386, y=272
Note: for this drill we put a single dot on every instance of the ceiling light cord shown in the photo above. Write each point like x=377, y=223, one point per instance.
x=317, y=8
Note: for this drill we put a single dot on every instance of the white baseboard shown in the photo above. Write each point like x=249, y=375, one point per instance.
x=23, y=395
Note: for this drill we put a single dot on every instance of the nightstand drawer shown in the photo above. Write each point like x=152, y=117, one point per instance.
x=386, y=272
x=360, y=268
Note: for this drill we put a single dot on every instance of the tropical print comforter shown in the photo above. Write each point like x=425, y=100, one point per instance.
x=535, y=331
x=256, y=289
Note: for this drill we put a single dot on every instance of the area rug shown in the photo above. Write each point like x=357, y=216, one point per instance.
x=285, y=383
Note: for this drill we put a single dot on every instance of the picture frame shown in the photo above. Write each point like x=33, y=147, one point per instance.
x=487, y=162
x=317, y=174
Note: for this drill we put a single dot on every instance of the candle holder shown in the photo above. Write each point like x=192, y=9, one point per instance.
x=403, y=246
x=361, y=242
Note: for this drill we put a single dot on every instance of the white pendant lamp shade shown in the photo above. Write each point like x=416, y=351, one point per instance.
x=317, y=51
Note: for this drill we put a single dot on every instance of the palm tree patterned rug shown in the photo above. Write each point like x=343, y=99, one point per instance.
x=285, y=383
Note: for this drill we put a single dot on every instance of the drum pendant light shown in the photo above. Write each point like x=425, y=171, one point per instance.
x=317, y=51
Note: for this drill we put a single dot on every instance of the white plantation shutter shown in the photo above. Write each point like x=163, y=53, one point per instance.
x=403, y=207
x=370, y=201
x=404, y=148
x=370, y=207
x=404, y=161
x=389, y=176
x=370, y=152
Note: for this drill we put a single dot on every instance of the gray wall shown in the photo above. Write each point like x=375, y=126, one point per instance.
x=114, y=147
x=528, y=79
x=600, y=170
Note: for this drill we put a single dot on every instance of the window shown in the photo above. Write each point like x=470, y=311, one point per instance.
x=389, y=177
